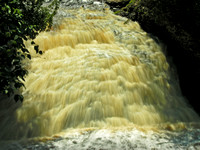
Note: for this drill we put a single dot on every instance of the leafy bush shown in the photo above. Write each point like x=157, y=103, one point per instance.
x=20, y=20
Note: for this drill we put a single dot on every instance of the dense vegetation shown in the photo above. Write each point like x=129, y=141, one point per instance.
x=177, y=24
x=20, y=20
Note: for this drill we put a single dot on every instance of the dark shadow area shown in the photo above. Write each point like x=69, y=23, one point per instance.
x=8, y=118
x=11, y=128
x=176, y=23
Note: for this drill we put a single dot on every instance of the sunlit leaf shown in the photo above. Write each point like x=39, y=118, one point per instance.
x=29, y=56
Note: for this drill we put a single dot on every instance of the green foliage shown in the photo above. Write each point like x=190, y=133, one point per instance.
x=20, y=20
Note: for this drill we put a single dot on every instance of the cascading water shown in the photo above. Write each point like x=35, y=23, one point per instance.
x=97, y=71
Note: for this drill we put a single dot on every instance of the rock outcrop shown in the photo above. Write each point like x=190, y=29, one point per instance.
x=177, y=24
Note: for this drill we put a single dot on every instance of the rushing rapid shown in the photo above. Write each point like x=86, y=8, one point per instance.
x=97, y=70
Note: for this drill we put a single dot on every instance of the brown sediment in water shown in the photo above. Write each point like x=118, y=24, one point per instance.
x=96, y=71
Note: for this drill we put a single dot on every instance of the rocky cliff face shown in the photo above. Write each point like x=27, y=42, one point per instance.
x=176, y=23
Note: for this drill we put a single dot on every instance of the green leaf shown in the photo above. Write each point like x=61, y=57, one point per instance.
x=9, y=50
x=6, y=92
x=14, y=1
x=18, y=85
x=16, y=37
x=15, y=61
x=40, y=52
x=36, y=47
x=25, y=50
x=12, y=42
x=25, y=38
x=32, y=42
x=18, y=97
x=20, y=41
x=23, y=56
x=19, y=23
x=23, y=78
x=8, y=34
x=29, y=56
x=9, y=9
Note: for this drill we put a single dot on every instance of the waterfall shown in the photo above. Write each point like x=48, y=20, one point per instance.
x=97, y=70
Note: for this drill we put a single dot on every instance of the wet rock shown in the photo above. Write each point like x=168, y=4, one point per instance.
x=74, y=142
x=116, y=4
x=176, y=23
x=194, y=146
x=134, y=139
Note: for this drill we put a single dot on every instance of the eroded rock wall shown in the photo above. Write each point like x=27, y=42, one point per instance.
x=176, y=23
